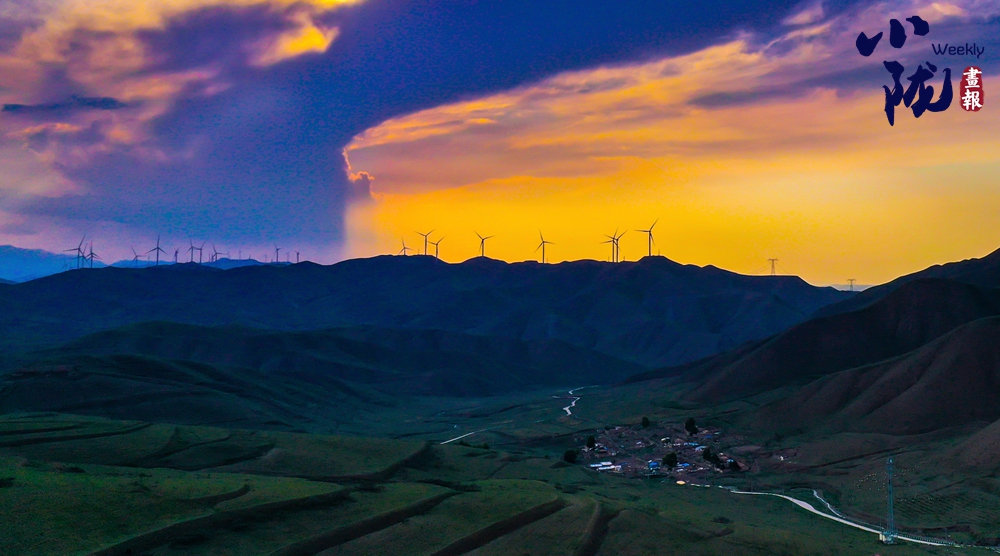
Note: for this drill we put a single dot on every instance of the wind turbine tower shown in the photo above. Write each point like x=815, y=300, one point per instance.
x=405, y=250
x=649, y=232
x=436, y=244
x=92, y=255
x=80, y=254
x=157, y=250
x=277, y=251
x=427, y=235
x=542, y=245
x=616, y=250
x=482, y=244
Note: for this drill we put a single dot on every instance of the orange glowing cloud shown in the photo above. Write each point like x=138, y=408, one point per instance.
x=744, y=151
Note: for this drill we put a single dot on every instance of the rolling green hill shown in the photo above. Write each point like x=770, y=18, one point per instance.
x=412, y=362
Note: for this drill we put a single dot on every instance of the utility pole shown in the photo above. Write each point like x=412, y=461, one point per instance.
x=774, y=263
x=851, y=281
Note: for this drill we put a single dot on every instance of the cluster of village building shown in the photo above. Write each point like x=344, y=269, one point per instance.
x=641, y=451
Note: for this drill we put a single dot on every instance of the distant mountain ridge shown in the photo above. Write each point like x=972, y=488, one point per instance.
x=19, y=265
x=652, y=312
x=906, y=319
x=984, y=272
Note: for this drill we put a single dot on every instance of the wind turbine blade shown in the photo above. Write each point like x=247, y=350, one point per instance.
x=654, y=224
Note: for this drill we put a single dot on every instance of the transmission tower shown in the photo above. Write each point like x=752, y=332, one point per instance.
x=774, y=264
x=851, y=281
x=889, y=535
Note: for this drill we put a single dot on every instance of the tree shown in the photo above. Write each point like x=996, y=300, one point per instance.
x=691, y=426
x=670, y=460
x=570, y=456
x=645, y=422
x=591, y=442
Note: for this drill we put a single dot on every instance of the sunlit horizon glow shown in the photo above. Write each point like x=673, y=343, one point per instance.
x=757, y=143
x=810, y=175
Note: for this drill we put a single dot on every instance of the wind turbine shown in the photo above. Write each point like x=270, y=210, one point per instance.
x=135, y=257
x=435, y=244
x=649, y=232
x=92, y=255
x=616, y=250
x=277, y=250
x=296, y=256
x=176, y=252
x=201, y=250
x=215, y=254
x=157, y=250
x=80, y=255
x=542, y=245
x=405, y=250
x=427, y=235
x=482, y=244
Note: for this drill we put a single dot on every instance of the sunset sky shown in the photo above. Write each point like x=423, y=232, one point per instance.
x=747, y=130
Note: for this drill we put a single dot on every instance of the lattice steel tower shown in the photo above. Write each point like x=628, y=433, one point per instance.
x=889, y=535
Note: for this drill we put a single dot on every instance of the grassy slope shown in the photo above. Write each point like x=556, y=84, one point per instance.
x=492, y=504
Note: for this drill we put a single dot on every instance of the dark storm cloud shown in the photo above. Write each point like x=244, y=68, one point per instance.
x=218, y=37
x=72, y=104
x=262, y=159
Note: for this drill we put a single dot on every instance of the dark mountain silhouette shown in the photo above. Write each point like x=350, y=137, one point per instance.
x=149, y=389
x=2, y=281
x=952, y=381
x=980, y=451
x=984, y=272
x=411, y=362
x=653, y=312
x=906, y=319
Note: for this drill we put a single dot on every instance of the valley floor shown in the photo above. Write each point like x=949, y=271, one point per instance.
x=91, y=486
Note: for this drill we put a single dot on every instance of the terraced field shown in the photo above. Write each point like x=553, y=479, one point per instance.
x=95, y=487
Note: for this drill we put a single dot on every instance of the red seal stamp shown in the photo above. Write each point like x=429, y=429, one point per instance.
x=971, y=89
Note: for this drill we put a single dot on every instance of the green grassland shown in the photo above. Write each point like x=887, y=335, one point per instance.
x=156, y=490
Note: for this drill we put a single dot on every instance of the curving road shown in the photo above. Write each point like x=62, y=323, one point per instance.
x=810, y=508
